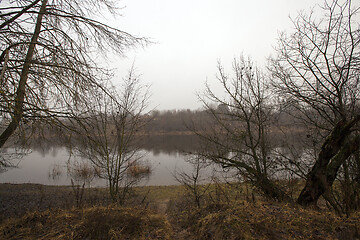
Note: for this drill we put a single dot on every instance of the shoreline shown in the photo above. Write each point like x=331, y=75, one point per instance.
x=18, y=199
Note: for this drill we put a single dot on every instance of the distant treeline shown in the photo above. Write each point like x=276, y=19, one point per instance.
x=171, y=121
x=184, y=121
x=180, y=122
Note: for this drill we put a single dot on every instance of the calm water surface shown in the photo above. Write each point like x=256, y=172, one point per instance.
x=164, y=157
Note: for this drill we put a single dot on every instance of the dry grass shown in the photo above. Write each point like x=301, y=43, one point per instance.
x=90, y=223
x=265, y=220
x=138, y=170
x=227, y=212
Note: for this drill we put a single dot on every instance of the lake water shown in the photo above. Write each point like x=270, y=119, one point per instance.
x=163, y=154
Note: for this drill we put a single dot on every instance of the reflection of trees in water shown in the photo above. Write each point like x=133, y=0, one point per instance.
x=11, y=157
x=171, y=144
x=47, y=146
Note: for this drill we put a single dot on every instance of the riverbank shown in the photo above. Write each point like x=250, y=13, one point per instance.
x=36, y=211
x=18, y=199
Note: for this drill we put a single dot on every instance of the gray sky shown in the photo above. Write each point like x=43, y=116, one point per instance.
x=191, y=36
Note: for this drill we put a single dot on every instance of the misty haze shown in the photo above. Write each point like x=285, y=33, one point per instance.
x=199, y=119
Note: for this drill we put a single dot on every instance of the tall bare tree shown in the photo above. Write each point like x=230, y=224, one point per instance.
x=318, y=68
x=48, y=47
x=239, y=132
x=110, y=134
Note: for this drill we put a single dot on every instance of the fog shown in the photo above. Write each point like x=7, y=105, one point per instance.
x=190, y=37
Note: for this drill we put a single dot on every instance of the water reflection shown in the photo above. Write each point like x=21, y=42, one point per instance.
x=171, y=144
x=47, y=162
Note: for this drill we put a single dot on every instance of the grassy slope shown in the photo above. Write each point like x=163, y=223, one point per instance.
x=89, y=223
x=225, y=214
x=265, y=220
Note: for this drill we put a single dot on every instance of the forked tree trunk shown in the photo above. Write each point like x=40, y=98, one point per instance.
x=20, y=92
x=335, y=150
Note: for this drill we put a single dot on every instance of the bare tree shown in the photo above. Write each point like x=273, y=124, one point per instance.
x=109, y=137
x=239, y=132
x=48, y=47
x=318, y=68
x=195, y=183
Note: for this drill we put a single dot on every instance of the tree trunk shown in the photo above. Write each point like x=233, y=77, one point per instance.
x=20, y=92
x=333, y=153
x=271, y=189
x=7, y=22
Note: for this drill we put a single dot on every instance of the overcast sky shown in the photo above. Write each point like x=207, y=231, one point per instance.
x=192, y=35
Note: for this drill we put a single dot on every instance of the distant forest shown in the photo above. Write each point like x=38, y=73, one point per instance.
x=186, y=121
x=172, y=121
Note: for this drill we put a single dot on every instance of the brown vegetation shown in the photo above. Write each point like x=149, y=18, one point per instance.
x=234, y=211
x=265, y=220
x=91, y=223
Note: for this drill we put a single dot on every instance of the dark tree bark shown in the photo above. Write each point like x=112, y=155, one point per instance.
x=47, y=70
x=271, y=190
x=335, y=150
x=317, y=72
x=7, y=22
x=20, y=93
